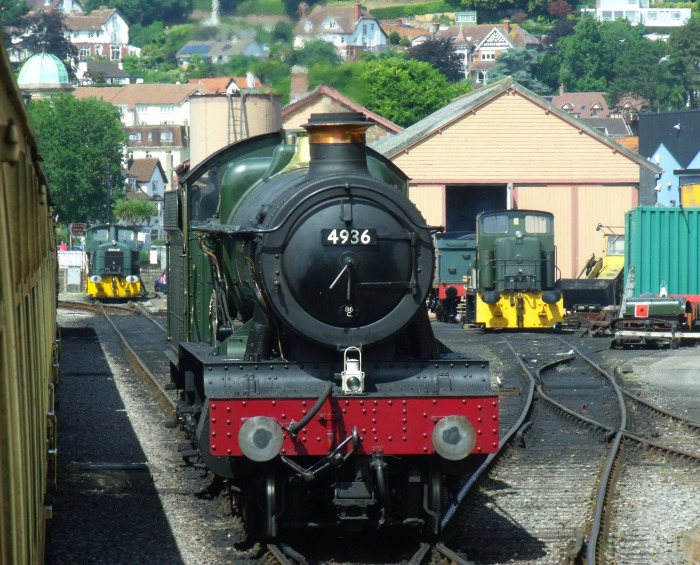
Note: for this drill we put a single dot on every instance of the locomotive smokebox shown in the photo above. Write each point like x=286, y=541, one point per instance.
x=337, y=143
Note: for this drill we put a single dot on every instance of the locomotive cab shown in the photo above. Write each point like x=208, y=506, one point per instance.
x=516, y=268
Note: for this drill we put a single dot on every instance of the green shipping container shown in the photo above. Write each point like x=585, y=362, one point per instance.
x=663, y=246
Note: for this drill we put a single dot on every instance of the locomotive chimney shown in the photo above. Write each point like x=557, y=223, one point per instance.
x=337, y=143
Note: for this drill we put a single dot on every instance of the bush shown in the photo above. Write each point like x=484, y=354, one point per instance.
x=268, y=7
x=395, y=12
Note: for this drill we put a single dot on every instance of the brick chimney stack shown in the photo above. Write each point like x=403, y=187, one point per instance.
x=506, y=23
x=358, y=11
x=299, y=84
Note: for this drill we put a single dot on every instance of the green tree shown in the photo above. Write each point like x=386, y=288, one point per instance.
x=47, y=33
x=521, y=64
x=684, y=58
x=314, y=53
x=134, y=211
x=440, y=55
x=11, y=14
x=582, y=64
x=642, y=71
x=405, y=90
x=589, y=55
x=11, y=11
x=82, y=143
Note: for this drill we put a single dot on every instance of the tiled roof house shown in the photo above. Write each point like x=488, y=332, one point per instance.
x=100, y=33
x=350, y=29
x=480, y=45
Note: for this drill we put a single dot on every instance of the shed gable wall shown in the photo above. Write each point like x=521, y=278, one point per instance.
x=515, y=139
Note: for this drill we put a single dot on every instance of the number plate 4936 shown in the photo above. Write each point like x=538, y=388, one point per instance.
x=351, y=236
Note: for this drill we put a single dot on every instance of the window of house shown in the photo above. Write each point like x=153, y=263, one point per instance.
x=141, y=108
x=115, y=53
x=606, y=15
x=166, y=136
x=135, y=136
x=488, y=55
x=651, y=15
x=595, y=110
x=85, y=51
x=150, y=136
x=676, y=15
x=167, y=108
x=364, y=29
x=98, y=49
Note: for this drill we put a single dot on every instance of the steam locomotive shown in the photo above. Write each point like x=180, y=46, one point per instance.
x=113, y=264
x=306, y=369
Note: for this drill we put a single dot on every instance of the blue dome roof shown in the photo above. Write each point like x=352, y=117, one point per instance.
x=42, y=71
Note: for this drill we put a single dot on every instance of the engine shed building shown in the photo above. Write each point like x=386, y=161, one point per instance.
x=503, y=146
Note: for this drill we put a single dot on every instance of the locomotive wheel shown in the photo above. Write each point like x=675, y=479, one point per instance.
x=270, y=526
x=261, y=506
x=436, y=495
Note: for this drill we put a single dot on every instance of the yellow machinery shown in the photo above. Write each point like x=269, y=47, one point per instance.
x=599, y=284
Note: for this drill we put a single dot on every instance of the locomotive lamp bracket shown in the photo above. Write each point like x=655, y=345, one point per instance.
x=352, y=377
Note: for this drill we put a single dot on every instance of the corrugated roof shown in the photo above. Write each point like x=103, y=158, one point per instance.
x=390, y=146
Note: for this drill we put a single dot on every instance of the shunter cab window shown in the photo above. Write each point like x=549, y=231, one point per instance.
x=127, y=236
x=100, y=235
x=495, y=224
x=537, y=224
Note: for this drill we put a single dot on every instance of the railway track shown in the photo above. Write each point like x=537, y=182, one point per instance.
x=142, y=338
x=553, y=495
x=539, y=498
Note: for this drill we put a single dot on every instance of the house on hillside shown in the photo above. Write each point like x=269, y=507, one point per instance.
x=100, y=33
x=167, y=143
x=156, y=117
x=229, y=85
x=221, y=51
x=593, y=105
x=480, y=45
x=350, y=29
x=414, y=35
x=324, y=99
x=147, y=104
x=147, y=181
x=101, y=72
x=638, y=12
x=503, y=146
x=65, y=6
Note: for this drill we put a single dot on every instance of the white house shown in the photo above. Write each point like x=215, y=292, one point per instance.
x=65, y=6
x=147, y=181
x=156, y=117
x=351, y=29
x=638, y=12
x=148, y=104
x=100, y=33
